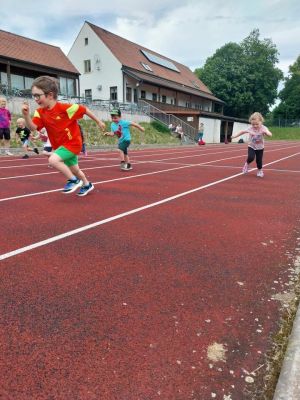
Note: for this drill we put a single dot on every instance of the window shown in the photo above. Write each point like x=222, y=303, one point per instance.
x=128, y=94
x=87, y=66
x=17, y=82
x=28, y=82
x=147, y=67
x=135, y=95
x=88, y=94
x=113, y=93
x=154, y=96
x=71, y=87
x=3, y=76
x=163, y=99
x=143, y=94
x=63, y=86
x=160, y=61
x=86, y=41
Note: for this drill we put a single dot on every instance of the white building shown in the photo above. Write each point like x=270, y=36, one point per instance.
x=117, y=70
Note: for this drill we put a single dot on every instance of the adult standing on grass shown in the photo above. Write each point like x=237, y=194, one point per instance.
x=256, y=132
x=120, y=127
x=60, y=121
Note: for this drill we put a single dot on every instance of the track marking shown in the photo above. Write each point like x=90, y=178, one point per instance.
x=119, y=179
x=125, y=214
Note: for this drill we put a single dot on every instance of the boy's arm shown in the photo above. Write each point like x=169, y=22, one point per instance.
x=26, y=115
x=108, y=134
x=141, y=128
x=91, y=115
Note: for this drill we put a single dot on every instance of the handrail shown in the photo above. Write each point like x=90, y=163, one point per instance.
x=167, y=119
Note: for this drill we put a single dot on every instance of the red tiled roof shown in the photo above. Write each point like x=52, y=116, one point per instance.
x=28, y=50
x=129, y=54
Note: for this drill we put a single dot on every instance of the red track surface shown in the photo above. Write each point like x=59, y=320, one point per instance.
x=128, y=310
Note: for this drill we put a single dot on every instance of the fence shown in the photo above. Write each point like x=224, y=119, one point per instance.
x=283, y=122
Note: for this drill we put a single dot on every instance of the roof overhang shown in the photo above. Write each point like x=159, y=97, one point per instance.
x=157, y=81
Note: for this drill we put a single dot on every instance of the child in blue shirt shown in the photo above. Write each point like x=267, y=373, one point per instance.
x=120, y=128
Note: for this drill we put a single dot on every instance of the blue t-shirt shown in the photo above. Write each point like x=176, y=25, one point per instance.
x=121, y=129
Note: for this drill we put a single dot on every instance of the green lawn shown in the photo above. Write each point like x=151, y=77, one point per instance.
x=155, y=133
x=284, y=133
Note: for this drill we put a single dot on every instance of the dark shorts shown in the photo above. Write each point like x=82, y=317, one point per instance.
x=5, y=133
x=123, y=146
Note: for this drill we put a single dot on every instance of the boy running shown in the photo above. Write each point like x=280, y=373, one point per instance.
x=25, y=135
x=120, y=127
x=60, y=121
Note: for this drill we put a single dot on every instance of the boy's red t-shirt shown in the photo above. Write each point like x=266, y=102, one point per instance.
x=61, y=125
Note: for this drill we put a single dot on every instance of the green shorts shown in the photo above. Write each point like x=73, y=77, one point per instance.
x=67, y=156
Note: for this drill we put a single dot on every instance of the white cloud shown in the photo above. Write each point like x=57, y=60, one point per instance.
x=188, y=31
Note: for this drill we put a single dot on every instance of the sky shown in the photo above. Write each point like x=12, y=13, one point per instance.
x=187, y=31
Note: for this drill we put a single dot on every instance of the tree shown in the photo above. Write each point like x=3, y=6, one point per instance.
x=289, y=107
x=243, y=75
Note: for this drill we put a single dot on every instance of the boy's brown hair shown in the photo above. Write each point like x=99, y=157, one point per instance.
x=47, y=84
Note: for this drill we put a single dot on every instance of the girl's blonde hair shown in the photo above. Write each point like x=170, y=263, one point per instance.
x=20, y=121
x=256, y=115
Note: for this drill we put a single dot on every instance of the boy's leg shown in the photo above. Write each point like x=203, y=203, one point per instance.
x=86, y=186
x=58, y=163
x=63, y=159
x=79, y=174
x=124, y=147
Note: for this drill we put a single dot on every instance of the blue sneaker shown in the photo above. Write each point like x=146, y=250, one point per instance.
x=85, y=189
x=71, y=186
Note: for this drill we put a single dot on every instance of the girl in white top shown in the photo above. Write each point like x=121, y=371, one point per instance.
x=256, y=132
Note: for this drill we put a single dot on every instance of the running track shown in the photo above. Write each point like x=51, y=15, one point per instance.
x=163, y=283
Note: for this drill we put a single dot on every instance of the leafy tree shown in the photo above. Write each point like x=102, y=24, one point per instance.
x=243, y=75
x=289, y=107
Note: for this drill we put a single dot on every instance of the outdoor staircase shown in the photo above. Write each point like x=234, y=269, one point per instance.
x=155, y=113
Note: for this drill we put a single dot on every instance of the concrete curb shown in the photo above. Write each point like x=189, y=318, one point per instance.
x=288, y=385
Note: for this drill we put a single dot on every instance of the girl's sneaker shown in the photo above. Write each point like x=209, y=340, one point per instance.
x=245, y=168
x=260, y=174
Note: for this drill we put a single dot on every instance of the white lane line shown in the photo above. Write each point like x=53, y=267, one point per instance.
x=124, y=214
x=139, y=175
x=114, y=180
x=164, y=160
x=114, y=165
x=107, y=220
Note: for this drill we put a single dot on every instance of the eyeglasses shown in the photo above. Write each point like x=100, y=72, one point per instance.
x=37, y=96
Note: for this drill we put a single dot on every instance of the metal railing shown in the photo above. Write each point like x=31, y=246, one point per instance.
x=167, y=119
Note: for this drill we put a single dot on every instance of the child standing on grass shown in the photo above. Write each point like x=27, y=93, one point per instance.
x=24, y=134
x=256, y=133
x=60, y=121
x=5, y=120
x=120, y=127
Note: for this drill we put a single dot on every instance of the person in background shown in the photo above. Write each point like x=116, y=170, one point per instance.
x=179, y=132
x=5, y=120
x=200, y=134
x=26, y=137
